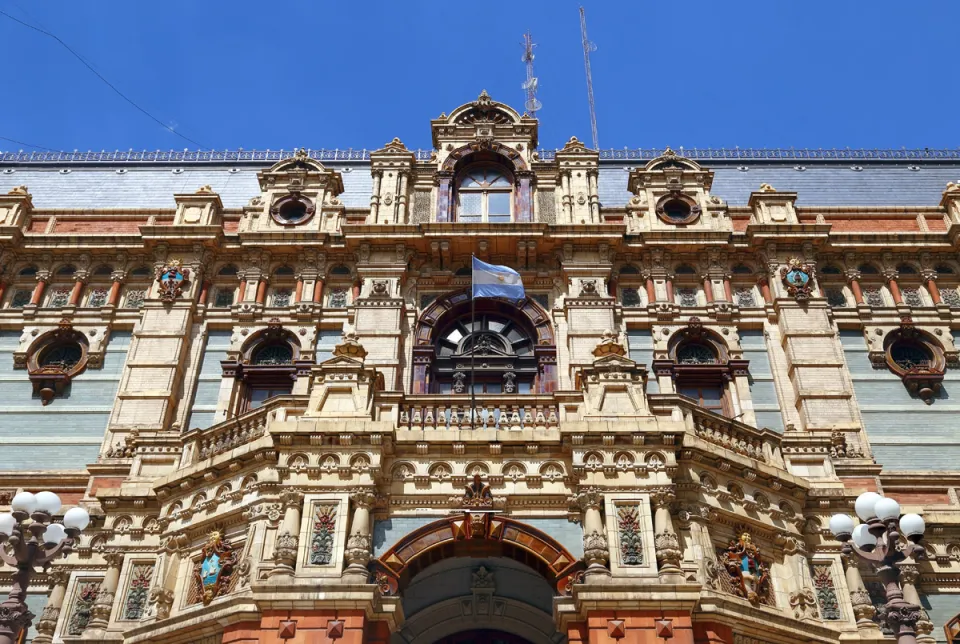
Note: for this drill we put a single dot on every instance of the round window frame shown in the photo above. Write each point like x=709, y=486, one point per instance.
x=290, y=200
x=690, y=202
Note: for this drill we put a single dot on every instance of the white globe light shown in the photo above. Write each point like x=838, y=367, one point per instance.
x=48, y=502
x=76, y=518
x=912, y=525
x=24, y=502
x=54, y=533
x=863, y=538
x=887, y=509
x=841, y=524
x=865, y=505
x=7, y=523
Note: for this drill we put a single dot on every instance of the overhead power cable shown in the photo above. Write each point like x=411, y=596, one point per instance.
x=100, y=76
x=29, y=145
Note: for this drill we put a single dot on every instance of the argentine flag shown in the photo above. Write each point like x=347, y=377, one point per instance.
x=490, y=280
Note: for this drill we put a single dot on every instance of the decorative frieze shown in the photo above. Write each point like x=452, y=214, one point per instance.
x=138, y=590
x=85, y=596
x=321, y=539
x=630, y=533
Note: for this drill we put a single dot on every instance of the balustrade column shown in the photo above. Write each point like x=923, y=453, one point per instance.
x=595, y=550
x=909, y=575
x=103, y=606
x=665, y=540
x=357, y=553
x=47, y=624
x=288, y=540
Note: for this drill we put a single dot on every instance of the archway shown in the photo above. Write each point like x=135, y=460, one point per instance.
x=477, y=577
x=530, y=319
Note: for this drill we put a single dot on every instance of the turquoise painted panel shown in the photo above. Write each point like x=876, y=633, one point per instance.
x=914, y=458
x=82, y=392
x=200, y=419
x=119, y=340
x=772, y=420
x=387, y=532
x=941, y=609
x=36, y=604
x=9, y=340
x=20, y=458
x=570, y=535
x=640, y=346
x=327, y=340
x=885, y=388
x=19, y=425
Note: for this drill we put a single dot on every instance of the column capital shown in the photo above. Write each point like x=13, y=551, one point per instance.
x=114, y=558
x=291, y=498
x=364, y=498
x=662, y=497
x=588, y=500
x=58, y=576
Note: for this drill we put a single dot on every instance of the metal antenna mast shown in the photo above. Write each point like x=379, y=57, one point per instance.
x=587, y=48
x=531, y=105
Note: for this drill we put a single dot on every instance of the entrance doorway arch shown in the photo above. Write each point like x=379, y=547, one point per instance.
x=483, y=636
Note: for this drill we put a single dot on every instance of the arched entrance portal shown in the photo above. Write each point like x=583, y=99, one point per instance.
x=483, y=637
x=474, y=575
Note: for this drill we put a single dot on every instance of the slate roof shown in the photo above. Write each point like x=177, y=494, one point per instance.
x=135, y=185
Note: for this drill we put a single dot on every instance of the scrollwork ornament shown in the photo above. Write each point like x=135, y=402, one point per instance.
x=797, y=277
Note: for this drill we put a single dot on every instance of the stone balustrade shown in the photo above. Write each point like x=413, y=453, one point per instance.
x=492, y=412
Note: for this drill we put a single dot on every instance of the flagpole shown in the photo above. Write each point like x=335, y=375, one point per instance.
x=473, y=349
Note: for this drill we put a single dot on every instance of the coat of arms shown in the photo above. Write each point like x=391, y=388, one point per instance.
x=215, y=567
x=747, y=570
x=798, y=278
x=172, y=278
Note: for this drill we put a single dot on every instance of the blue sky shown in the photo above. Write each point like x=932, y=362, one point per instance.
x=339, y=74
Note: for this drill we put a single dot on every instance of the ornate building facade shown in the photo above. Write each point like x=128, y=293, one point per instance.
x=253, y=369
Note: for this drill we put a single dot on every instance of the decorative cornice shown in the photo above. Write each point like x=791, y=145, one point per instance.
x=259, y=157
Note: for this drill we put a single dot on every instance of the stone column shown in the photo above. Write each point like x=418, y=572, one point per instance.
x=243, y=289
x=909, y=575
x=204, y=293
x=47, y=624
x=262, y=290
x=77, y=290
x=863, y=609
x=318, y=290
x=114, y=298
x=288, y=539
x=666, y=543
x=854, y=278
x=103, y=606
x=651, y=290
x=708, y=289
x=359, y=541
x=595, y=550
x=931, y=279
x=764, y=283
x=402, y=200
x=894, y=287
x=38, y=290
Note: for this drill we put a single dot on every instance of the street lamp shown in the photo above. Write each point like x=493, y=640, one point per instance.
x=875, y=540
x=35, y=540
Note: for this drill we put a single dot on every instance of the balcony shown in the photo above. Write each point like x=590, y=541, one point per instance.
x=491, y=412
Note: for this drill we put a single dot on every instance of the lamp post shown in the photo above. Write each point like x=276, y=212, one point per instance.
x=875, y=540
x=35, y=540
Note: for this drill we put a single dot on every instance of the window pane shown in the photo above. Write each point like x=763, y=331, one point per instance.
x=498, y=203
x=257, y=396
x=711, y=396
x=471, y=206
x=690, y=392
x=497, y=179
x=468, y=182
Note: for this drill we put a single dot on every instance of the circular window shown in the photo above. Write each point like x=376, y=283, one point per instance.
x=291, y=210
x=61, y=356
x=675, y=208
x=910, y=356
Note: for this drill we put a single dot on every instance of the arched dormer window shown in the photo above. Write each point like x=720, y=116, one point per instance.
x=268, y=365
x=484, y=194
x=702, y=369
x=22, y=292
x=871, y=284
x=947, y=285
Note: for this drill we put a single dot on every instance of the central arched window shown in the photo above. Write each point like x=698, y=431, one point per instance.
x=485, y=195
x=500, y=349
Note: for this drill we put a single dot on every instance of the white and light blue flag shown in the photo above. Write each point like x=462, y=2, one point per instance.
x=490, y=280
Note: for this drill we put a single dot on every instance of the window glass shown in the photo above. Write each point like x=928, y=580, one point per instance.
x=259, y=395
x=471, y=206
x=498, y=205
